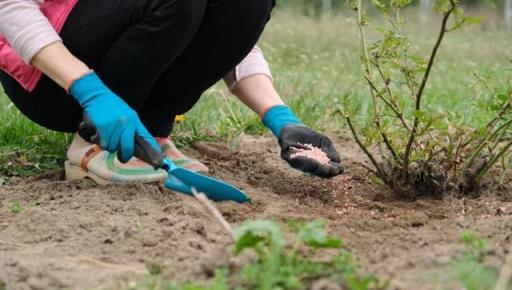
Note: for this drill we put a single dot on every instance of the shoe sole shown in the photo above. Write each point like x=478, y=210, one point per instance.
x=75, y=173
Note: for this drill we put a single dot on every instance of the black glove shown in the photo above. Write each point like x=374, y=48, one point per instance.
x=300, y=136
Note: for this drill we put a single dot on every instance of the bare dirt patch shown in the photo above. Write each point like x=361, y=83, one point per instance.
x=80, y=236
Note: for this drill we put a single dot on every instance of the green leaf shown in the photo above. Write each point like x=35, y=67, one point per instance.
x=314, y=235
x=253, y=233
x=16, y=207
x=154, y=269
x=503, y=98
x=419, y=114
x=220, y=280
x=246, y=241
x=473, y=20
x=474, y=275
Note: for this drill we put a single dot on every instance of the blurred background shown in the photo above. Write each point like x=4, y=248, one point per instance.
x=500, y=10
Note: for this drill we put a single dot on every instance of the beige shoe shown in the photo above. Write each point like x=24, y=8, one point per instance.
x=176, y=156
x=86, y=160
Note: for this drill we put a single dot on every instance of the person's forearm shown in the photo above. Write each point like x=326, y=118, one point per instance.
x=59, y=64
x=258, y=93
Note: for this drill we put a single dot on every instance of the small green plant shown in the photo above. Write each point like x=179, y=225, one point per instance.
x=420, y=152
x=279, y=264
x=16, y=207
x=469, y=268
x=156, y=283
x=297, y=266
x=154, y=269
x=475, y=246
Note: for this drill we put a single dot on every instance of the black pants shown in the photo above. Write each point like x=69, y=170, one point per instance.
x=158, y=55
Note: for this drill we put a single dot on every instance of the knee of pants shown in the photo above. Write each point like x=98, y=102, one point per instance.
x=186, y=14
x=258, y=10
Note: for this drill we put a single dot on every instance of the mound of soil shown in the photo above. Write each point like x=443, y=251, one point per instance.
x=81, y=236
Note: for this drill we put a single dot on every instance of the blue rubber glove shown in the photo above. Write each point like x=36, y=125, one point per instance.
x=293, y=135
x=115, y=122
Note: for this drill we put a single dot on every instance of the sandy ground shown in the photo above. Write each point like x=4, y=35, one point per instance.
x=80, y=236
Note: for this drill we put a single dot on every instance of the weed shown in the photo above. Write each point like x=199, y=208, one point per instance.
x=156, y=283
x=16, y=207
x=311, y=256
x=154, y=269
x=297, y=266
x=475, y=246
x=469, y=269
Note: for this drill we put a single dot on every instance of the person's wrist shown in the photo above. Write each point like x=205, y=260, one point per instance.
x=57, y=62
x=277, y=117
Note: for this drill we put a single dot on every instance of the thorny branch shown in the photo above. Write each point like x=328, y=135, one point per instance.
x=419, y=95
x=390, y=103
x=366, y=58
x=374, y=93
x=484, y=142
x=384, y=136
x=492, y=161
x=379, y=172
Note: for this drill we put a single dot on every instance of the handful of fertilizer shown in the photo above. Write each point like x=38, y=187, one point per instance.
x=311, y=152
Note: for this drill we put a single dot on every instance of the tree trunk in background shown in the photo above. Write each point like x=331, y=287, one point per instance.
x=508, y=14
x=426, y=5
x=425, y=9
x=326, y=7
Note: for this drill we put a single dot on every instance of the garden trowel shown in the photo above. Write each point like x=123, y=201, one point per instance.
x=179, y=179
x=184, y=180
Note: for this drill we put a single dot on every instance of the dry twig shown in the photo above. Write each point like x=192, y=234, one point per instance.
x=201, y=197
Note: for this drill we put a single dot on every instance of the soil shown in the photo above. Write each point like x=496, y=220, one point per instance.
x=81, y=236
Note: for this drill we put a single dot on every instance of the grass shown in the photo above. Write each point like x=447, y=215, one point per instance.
x=315, y=65
x=25, y=148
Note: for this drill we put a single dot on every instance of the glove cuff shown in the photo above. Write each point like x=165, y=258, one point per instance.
x=72, y=81
x=278, y=117
x=86, y=87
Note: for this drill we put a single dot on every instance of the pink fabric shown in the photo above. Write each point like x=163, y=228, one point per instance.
x=31, y=25
x=56, y=12
x=253, y=64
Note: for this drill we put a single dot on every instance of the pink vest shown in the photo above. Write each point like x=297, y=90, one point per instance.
x=57, y=11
